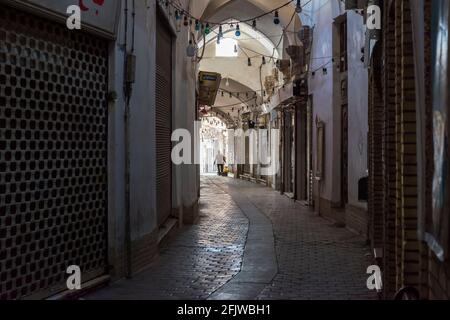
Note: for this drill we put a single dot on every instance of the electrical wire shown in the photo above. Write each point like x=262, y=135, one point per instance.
x=182, y=11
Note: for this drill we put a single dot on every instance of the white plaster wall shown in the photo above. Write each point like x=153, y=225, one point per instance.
x=142, y=130
x=326, y=101
x=142, y=135
x=321, y=88
x=237, y=68
x=185, y=184
x=357, y=106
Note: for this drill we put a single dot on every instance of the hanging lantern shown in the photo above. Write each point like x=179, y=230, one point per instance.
x=197, y=25
x=190, y=50
x=238, y=31
x=276, y=18
x=249, y=62
x=298, y=7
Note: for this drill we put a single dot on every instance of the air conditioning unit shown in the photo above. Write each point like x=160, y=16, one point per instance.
x=276, y=73
x=355, y=4
x=305, y=36
x=269, y=84
x=297, y=54
x=351, y=4
x=300, y=88
x=285, y=67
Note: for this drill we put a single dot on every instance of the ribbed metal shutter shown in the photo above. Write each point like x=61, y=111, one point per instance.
x=163, y=121
x=53, y=149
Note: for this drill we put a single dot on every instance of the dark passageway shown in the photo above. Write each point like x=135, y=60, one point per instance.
x=227, y=255
x=224, y=149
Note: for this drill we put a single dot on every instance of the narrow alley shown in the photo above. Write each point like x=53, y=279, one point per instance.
x=251, y=243
x=224, y=150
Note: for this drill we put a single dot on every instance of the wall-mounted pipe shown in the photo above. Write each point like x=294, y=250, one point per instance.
x=129, y=71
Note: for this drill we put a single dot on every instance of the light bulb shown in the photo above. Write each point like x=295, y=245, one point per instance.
x=298, y=8
x=276, y=19
x=238, y=31
x=190, y=50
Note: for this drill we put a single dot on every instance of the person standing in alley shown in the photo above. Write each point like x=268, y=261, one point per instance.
x=220, y=160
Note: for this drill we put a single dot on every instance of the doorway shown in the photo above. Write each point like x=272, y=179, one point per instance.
x=344, y=155
x=289, y=152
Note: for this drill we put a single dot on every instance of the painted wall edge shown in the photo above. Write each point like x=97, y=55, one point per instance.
x=52, y=13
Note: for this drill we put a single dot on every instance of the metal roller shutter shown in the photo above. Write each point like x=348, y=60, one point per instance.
x=163, y=121
x=53, y=155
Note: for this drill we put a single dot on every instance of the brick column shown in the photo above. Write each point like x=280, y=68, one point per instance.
x=389, y=156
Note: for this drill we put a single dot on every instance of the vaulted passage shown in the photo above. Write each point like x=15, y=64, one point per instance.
x=253, y=243
x=224, y=149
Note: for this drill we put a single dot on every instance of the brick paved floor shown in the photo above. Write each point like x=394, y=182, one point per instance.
x=198, y=260
x=315, y=259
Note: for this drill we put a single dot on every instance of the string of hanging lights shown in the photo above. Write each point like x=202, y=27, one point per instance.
x=206, y=25
x=235, y=104
x=238, y=94
x=323, y=67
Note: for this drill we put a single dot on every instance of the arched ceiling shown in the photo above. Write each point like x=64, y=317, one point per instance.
x=232, y=105
x=267, y=39
x=247, y=39
x=222, y=10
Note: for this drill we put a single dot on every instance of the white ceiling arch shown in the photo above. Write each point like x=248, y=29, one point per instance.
x=216, y=11
x=246, y=31
x=230, y=105
x=267, y=37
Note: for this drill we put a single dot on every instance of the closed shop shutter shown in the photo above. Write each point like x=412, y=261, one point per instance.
x=53, y=155
x=163, y=121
